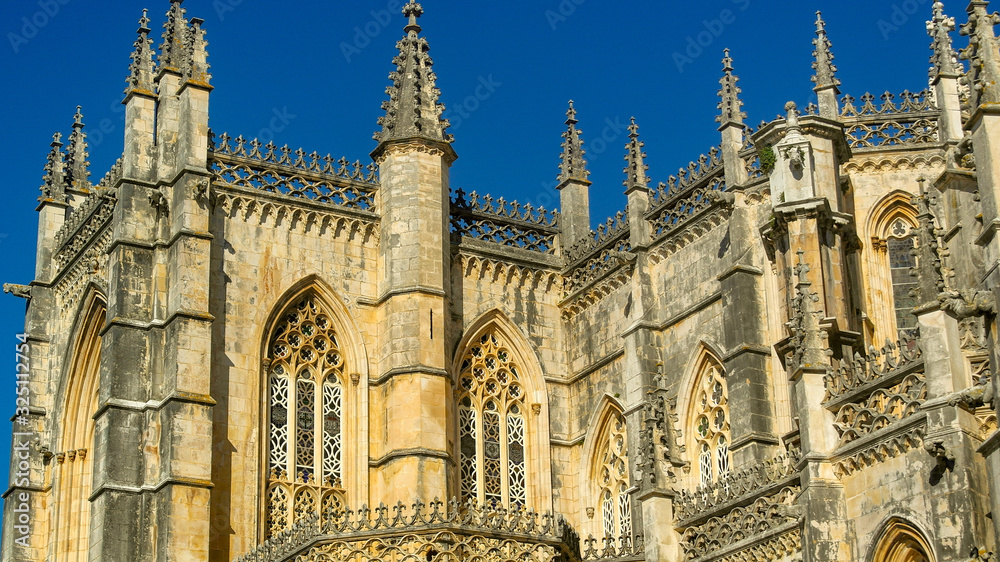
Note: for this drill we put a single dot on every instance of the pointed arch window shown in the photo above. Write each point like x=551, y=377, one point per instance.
x=709, y=426
x=613, y=482
x=305, y=446
x=492, y=428
x=899, y=247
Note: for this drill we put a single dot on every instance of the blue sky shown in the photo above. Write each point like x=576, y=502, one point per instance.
x=313, y=74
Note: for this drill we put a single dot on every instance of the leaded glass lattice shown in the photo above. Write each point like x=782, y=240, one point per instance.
x=711, y=424
x=492, y=425
x=306, y=409
x=901, y=261
x=613, y=482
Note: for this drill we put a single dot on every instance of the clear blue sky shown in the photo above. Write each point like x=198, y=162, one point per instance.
x=313, y=74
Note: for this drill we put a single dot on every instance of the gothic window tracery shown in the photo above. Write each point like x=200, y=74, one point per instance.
x=612, y=480
x=710, y=423
x=305, y=380
x=492, y=429
x=899, y=247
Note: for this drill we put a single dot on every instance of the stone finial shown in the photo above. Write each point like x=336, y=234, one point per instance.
x=635, y=171
x=792, y=115
x=809, y=340
x=54, y=180
x=142, y=67
x=930, y=278
x=77, y=166
x=573, y=166
x=982, y=54
x=944, y=60
x=196, y=65
x=731, y=104
x=172, y=51
x=412, y=110
x=826, y=71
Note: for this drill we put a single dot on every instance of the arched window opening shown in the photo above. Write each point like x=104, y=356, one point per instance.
x=305, y=382
x=899, y=246
x=902, y=542
x=709, y=423
x=492, y=430
x=612, y=480
x=73, y=464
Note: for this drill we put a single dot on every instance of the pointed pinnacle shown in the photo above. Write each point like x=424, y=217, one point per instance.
x=573, y=166
x=77, y=166
x=731, y=105
x=826, y=71
x=635, y=171
x=984, y=67
x=141, y=67
x=944, y=59
x=53, y=181
x=174, y=35
x=413, y=110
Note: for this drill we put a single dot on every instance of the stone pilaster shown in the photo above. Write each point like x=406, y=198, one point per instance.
x=414, y=380
x=744, y=314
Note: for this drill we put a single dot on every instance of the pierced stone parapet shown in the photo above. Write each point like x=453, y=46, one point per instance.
x=507, y=223
x=251, y=164
x=83, y=224
x=746, y=528
x=876, y=369
x=611, y=549
x=736, y=488
x=881, y=409
x=914, y=120
x=612, y=232
x=697, y=174
x=434, y=532
x=669, y=218
x=114, y=174
x=598, y=267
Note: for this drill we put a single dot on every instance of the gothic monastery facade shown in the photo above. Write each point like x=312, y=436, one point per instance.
x=785, y=352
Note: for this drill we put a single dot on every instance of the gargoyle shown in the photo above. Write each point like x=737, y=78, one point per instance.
x=23, y=291
x=968, y=302
x=974, y=397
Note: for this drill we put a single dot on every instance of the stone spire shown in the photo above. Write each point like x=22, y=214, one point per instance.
x=636, y=169
x=77, y=166
x=731, y=104
x=196, y=54
x=54, y=180
x=982, y=54
x=826, y=71
x=944, y=60
x=573, y=166
x=172, y=51
x=142, y=67
x=412, y=110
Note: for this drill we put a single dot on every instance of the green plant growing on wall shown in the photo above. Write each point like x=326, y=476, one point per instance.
x=767, y=159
